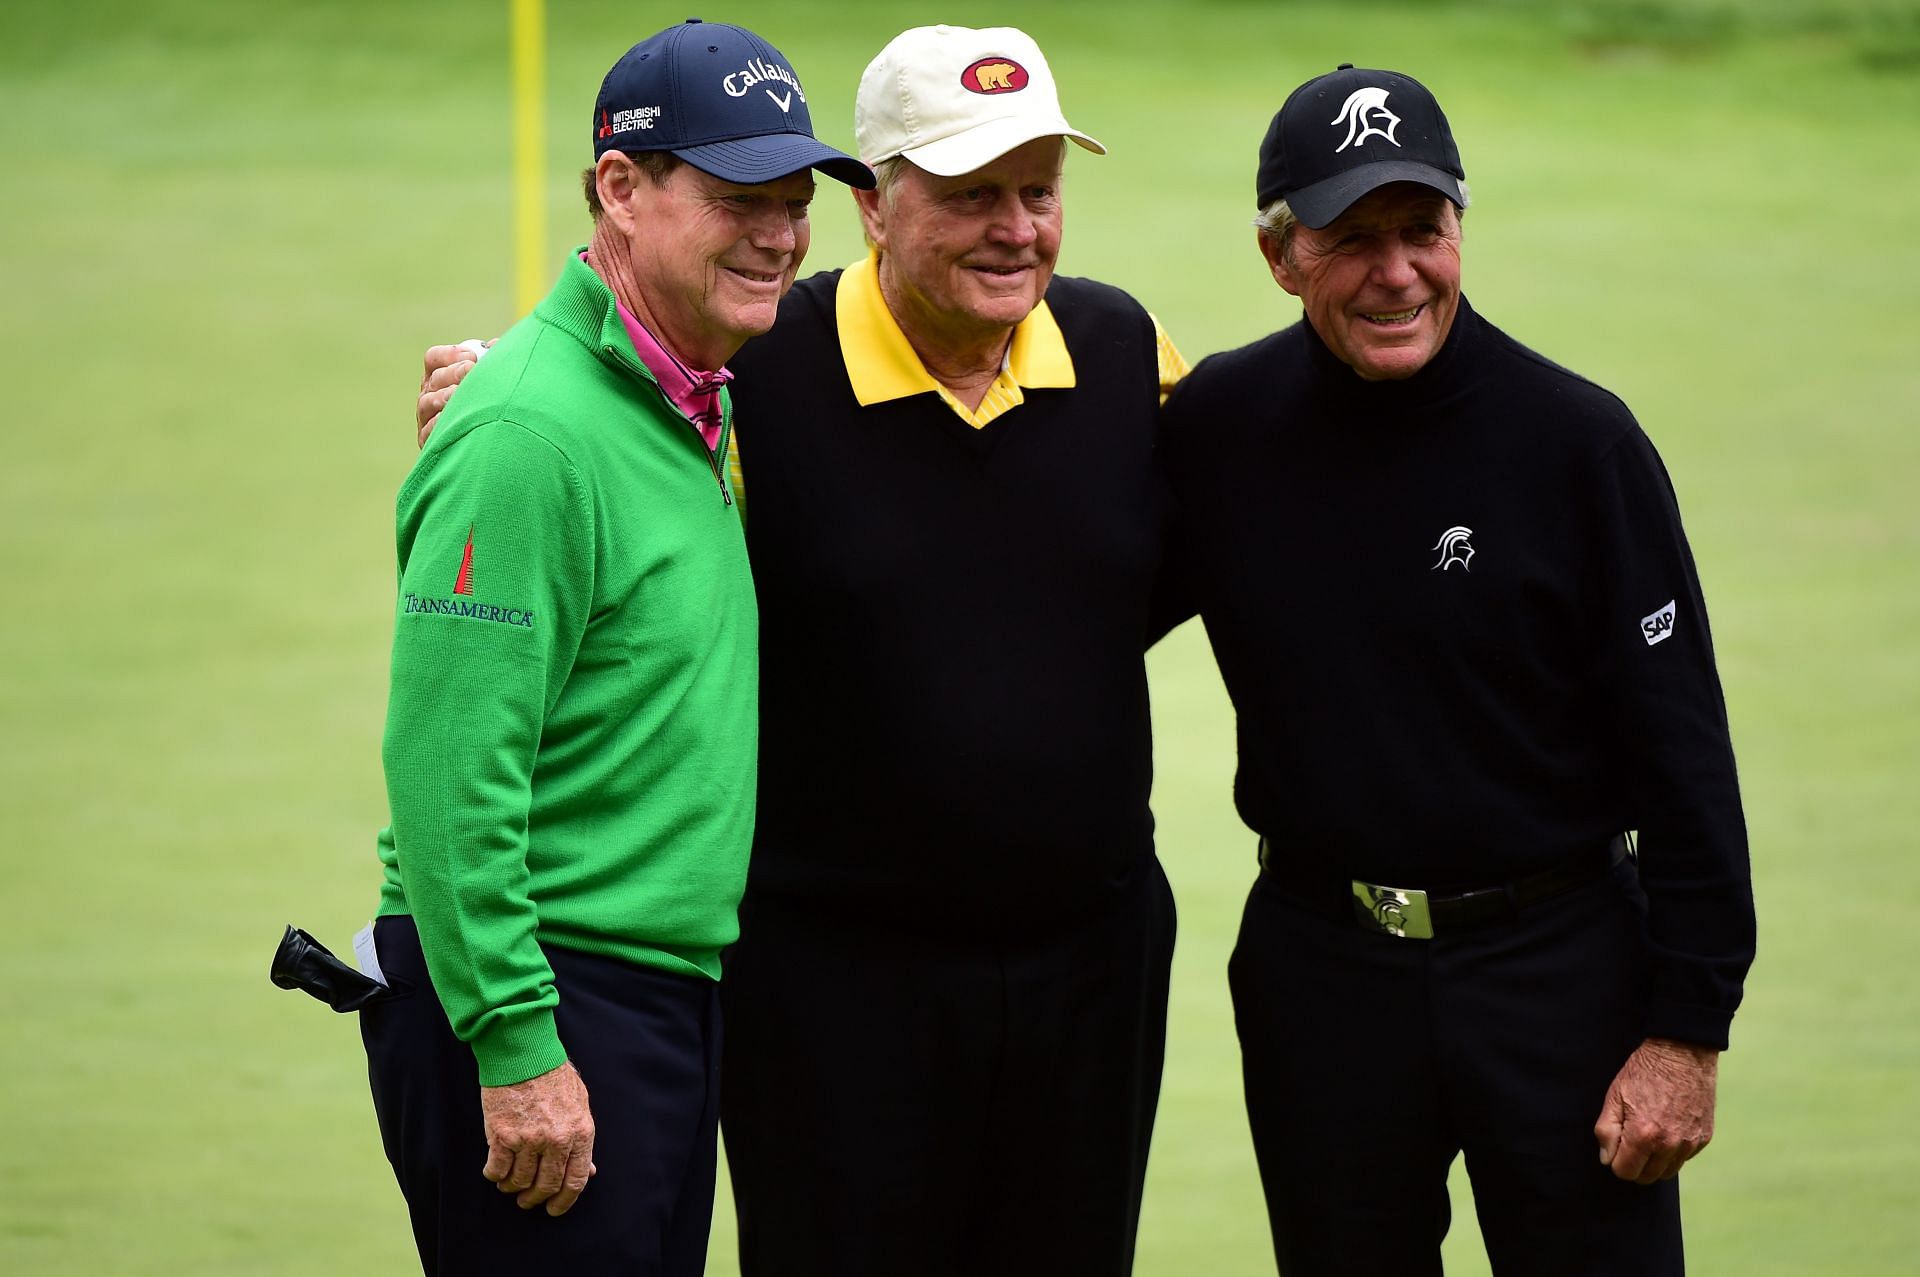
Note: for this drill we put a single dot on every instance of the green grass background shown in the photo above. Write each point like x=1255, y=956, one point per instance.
x=229, y=229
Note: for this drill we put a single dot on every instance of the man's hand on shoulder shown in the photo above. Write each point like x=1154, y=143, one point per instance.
x=1659, y=1110
x=442, y=371
x=539, y=1139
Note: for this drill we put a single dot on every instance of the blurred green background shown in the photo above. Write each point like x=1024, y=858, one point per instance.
x=229, y=230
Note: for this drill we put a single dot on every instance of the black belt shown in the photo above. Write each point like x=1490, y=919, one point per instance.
x=1414, y=914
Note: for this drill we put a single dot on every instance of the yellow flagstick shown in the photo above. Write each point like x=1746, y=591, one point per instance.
x=529, y=38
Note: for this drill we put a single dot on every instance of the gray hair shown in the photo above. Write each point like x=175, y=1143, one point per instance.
x=1277, y=222
x=886, y=175
x=888, y=172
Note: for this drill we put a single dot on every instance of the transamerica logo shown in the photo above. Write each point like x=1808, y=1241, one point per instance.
x=1363, y=107
x=463, y=583
x=411, y=604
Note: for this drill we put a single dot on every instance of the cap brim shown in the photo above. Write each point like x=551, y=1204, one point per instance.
x=984, y=143
x=752, y=160
x=1322, y=202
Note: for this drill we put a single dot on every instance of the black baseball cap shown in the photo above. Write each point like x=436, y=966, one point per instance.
x=1343, y=134
x=720, y=98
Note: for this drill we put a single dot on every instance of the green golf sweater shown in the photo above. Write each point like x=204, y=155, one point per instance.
x=572, y=730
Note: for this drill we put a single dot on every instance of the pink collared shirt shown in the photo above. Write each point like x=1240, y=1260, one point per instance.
x=696, y=394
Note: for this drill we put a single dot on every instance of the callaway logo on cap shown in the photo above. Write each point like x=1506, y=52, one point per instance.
x=952, y=99
x=720, y=98
x=1349, y=132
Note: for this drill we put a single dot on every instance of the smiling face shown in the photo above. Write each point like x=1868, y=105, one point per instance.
x=964, y=258
x=710, y=259
x=1381, y=282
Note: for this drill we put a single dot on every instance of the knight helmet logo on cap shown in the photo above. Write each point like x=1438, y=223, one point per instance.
x=1453, y=545
x=1362, y=108
x=994, y=75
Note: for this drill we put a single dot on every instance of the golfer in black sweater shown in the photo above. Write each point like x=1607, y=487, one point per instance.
x=1461, y=627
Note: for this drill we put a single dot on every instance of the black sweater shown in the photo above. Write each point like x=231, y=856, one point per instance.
x=1424, y=709
x=953, y=727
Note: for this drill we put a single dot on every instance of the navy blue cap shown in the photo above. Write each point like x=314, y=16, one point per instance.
x=720, y=98
x=1350, y=131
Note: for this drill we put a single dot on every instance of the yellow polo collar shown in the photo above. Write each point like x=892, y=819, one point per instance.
x=882, y=365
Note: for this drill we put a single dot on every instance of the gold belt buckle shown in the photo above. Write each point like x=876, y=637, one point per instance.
x=1396, y=911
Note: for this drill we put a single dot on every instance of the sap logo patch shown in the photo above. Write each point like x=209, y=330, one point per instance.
x=1657, y=626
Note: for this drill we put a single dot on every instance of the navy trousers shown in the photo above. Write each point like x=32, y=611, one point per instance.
x=943, y=1106
x=1370, y=1062
x=647, y=1046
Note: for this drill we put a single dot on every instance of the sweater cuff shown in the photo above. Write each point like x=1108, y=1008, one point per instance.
x=1703, y=1026
x=517, y=1047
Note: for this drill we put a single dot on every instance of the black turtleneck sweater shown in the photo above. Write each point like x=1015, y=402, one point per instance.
x=1463, y=635
x=953, y=693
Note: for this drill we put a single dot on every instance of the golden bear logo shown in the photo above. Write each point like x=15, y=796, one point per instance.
x=994, y=75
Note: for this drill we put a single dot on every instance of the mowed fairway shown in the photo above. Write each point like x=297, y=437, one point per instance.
x=229, y=229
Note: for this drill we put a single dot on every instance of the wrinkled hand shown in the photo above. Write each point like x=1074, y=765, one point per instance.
x=443, y=369
x=539, y=1139
x=1659, y=1110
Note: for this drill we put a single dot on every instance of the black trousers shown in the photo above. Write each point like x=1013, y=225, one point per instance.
x=1370, y=1062
x=647, y=1045
x=900, y=1104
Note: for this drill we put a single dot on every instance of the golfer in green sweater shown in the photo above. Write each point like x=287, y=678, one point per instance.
x=571, y=733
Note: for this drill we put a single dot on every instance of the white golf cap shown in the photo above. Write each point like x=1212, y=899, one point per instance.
x=952, y=99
